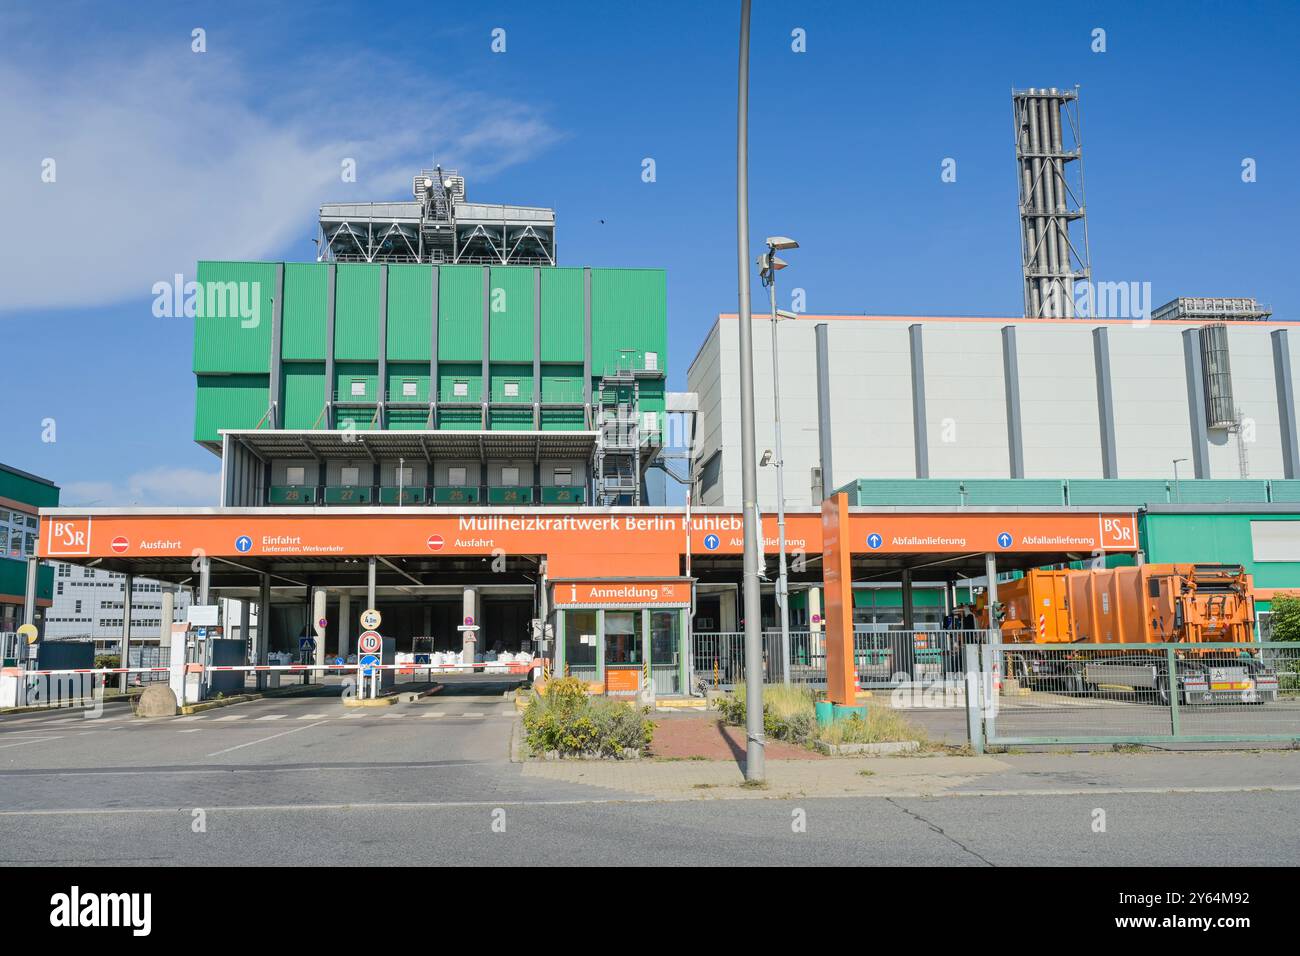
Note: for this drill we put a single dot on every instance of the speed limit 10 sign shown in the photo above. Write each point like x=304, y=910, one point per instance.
x=370, y=643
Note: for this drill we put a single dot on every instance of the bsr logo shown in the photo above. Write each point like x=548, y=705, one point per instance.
x=1117, y=529
x=69, y=535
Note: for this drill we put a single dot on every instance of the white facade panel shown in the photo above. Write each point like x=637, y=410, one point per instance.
x=1149, y=383
x=871, y=401
x=1060, y=424
x=965, y=400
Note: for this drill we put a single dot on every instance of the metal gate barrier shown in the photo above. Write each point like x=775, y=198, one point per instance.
x=1153, y=694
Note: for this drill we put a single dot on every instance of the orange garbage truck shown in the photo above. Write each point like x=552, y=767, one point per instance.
x=1201, y=606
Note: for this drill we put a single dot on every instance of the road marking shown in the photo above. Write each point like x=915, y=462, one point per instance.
x=676, y=798
x=314, y=716
x=263, y=740
x=192, y=730
x=471, y=715
x=233, y=717
x=436, y=713
x=192, y=717
x=21, y=743
x=271, y=717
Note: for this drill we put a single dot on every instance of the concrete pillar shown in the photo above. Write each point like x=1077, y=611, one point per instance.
x=245, y=630
x=29, y=595
x=205, y=579
x=319, y=612
x=470, y=614
x=129, y=583
x=262, y=644
x=345, y=623
x=166, y=612
x=727, y=611
x=370, y=584
x=909, y=607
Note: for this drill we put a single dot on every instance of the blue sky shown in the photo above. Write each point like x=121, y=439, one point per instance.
x=165, y=156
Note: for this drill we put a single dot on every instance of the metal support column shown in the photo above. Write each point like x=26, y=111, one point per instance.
x=129, y=585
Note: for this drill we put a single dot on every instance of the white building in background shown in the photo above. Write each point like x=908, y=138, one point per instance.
x=88, y=604
x=971, y=398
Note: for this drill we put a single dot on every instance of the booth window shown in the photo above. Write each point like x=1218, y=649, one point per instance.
x=456, y=476
x=350, y=475
x=295, y=475
x=358, y=388
x=510, y=476
x=580, y=642
x=563, y=477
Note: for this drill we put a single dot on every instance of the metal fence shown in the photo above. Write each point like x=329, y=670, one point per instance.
x=882, y=658
x=1143, y=694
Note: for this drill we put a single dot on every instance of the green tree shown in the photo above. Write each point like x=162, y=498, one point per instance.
x=1284, y=618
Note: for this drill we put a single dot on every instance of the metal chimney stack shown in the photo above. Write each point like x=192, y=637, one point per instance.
x=1049, y=157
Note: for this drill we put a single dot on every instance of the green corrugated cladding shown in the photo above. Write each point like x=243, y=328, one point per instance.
x=410, y=313
x=21, y=488
x=910, y=491
x=1118, y=491
x=305, y=315
x=628, y=309
x=1221, y=491
x=561, y=383
x=460, y=313
x=521, y=375
x=650, y=398
x=1020, y=491
x=1284, y=489
x=562, y=316
x=345, y=373
x=892, y=598
x=449, y=373
x=224, y=339
x=401, y=373
x=1214, y=539
x=356, y=312
x=304, y=394
x=510, y=314
x=13, y=581
x=228, y=401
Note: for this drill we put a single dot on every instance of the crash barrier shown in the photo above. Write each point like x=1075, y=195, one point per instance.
x=81, y=686
x=882, y=658
x=1137, y=694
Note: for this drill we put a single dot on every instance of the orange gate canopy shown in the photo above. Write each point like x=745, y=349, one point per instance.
x=586, y=542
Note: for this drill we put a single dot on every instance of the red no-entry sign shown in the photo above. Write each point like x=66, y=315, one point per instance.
x=435, y=542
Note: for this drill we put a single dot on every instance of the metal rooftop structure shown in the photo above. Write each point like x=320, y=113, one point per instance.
x=1049, y=161
x=1213, y=309
x=438, y=225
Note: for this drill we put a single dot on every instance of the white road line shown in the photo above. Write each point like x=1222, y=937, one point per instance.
x=192, y=730
x=233, y=717
x=314, y=716
x=351, y=716
x=271, y=717
x=263, y=740
x=436, y=713
x=192, y=717
x=38, y=740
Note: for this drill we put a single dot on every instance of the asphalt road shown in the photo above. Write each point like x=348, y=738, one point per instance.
x=304, y=781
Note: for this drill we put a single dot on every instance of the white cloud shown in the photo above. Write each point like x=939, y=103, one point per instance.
x=164, y=159
x=156, y=487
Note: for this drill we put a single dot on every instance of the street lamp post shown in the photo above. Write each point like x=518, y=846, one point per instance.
x=1178, y=489
x=754, y=770
x=769, y=263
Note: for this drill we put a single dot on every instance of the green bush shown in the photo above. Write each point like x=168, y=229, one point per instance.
x=108, y=660
x=566, y=719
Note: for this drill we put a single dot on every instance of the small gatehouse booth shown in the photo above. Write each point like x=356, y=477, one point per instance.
x=626, y=635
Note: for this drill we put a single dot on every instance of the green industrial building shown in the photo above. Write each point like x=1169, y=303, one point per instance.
x=21, y=494
x=374, y=383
